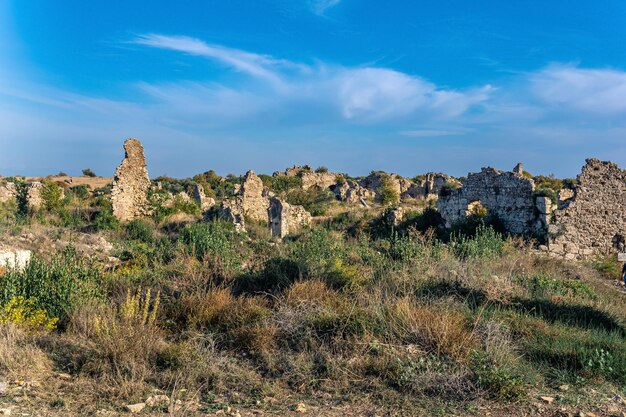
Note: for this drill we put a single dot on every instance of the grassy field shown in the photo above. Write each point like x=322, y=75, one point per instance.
x=351, y=317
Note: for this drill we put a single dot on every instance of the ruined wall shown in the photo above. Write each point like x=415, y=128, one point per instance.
x=201, y=199
x=285, y=219
x=129, y=195
x=594, y=219
x=507, y=195
x=8, y=192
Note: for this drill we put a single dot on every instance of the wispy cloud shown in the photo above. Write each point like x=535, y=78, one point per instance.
x=600, y=91
x=362, y=94
x=426, y=133
x=283, y=112
x=319, y=7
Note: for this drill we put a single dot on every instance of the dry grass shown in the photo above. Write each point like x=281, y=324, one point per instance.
x=20, y=357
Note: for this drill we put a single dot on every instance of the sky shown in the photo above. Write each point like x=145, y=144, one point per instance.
x=353, y=85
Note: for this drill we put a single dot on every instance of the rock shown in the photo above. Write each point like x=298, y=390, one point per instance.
x=299, y=408
x=129, y=195
x=547, y=400
x=135, y=408
x=5, y=411
x=34, y=200
x=15, y=258
x=160, y=400
x=351, y=192
x=3, y=388
x=519, y=169
x=395, y=216
x=564, y=387
x=201, y=199
x=285, y=219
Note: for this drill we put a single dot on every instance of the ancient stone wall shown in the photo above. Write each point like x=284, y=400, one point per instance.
x=8, y=192
x=34, y=200
x=285, y=219
x=507, y=195
x=201, y=199
x=129, y=195
x=593, y=221
x=254, y=197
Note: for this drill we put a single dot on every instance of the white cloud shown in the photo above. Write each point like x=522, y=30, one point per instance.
x=319, y=7
x=426, y=133
x=598, y=91
x=366, y=94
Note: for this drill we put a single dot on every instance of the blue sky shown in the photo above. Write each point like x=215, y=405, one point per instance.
x=354, y=85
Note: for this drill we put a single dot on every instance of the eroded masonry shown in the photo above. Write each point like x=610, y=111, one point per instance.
x=129, y=196
x=585, y=221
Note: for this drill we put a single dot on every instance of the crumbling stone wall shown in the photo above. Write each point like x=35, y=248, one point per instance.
x=377, y=179
x=201, y=199
x=129, y=195
x=8, y=192
x=253, y=201
x=285, y=219
x=310, y=178
x=507, y=195
x=430, y=186
x=352, y=192
x=593, y=221
x=34, y=199
x=254, y=197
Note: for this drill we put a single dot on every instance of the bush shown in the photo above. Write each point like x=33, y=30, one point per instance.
x=315, y=200
x=52, y=196
x=321, y=170
x=23, y=313
x=487, y=243
x=216, y=241
x=105, y=220
x=140, y=230
x=87, y=172
x=386, y=194
x=56, y=287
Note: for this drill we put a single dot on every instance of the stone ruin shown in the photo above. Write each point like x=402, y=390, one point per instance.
x=254, y=202
x=351, y=192
x=204, y=202
x=509, y=196
x=285, y=219
x=593, y=219
x=589, y=220
x=34, y=199
x=131, y=183
x=8, y=192
x=310, y=178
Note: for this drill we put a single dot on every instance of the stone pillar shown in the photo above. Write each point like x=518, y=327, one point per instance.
x=129, y=195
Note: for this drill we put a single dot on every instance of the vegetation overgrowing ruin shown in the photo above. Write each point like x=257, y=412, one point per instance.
x=312, y=292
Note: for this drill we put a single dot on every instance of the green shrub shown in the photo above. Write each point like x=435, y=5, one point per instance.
x=500, y=382
x=282, y=183
x=486, y=243
x=315, y=200
x=216, y=240
x=87, y=172
x=321, y=170
x=52, y=196
x=542, y=285
x=56, y=287
x=386, y=194
x=105, y=220
x=140, y=230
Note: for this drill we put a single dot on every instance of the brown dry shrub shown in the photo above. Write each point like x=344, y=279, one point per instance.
x=20, y=358
x=243, y=318
x=308, y=292
x=118, y=349
x=433, y=328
